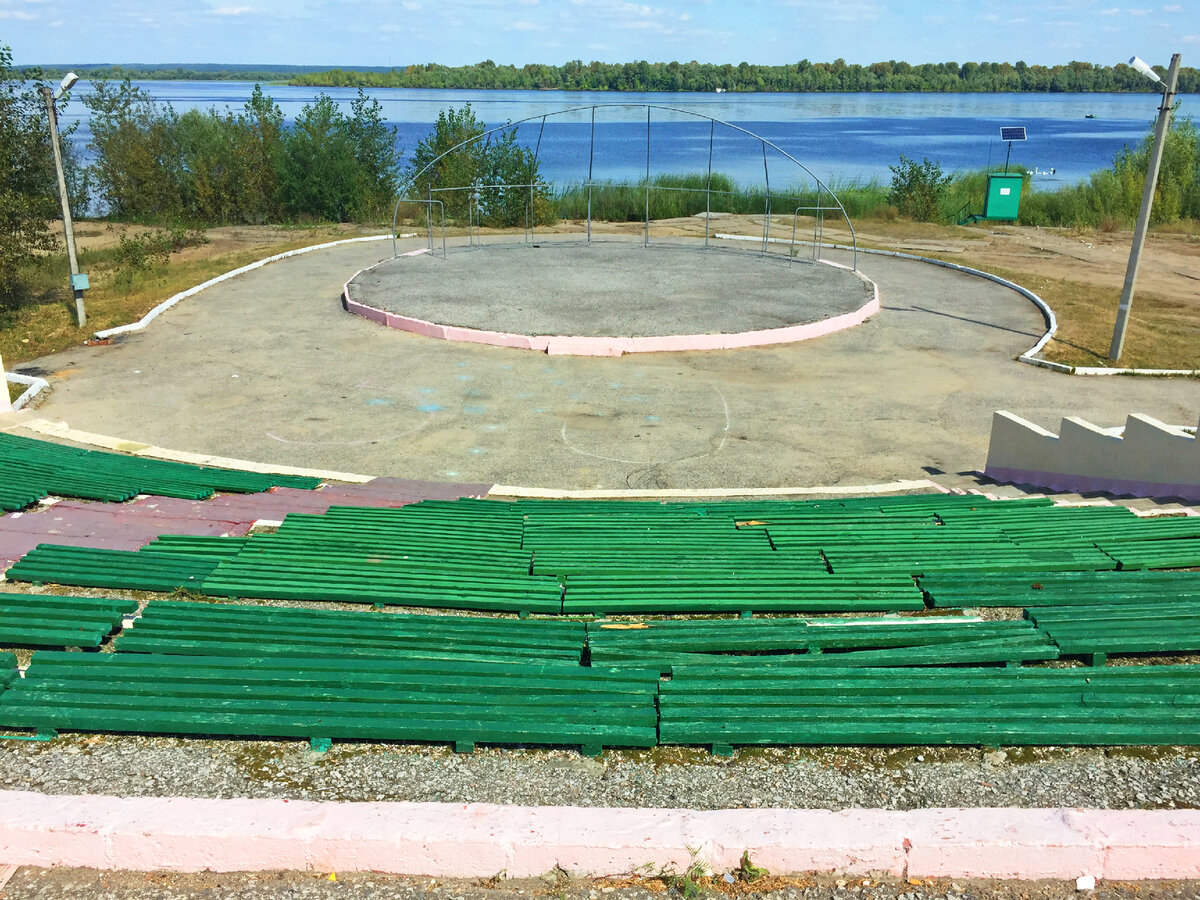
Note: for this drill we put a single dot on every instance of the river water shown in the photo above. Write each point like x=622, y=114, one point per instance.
x=838, y=138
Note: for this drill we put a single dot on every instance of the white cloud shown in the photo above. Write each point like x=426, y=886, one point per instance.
x=522, y=26
x=1173, y=8
x=1140, y=12
x=1110, y=12
x=409, y=6
x=17, y=14
x=232, y=10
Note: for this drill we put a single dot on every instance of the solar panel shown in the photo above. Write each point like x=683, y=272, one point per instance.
x=1012, y=133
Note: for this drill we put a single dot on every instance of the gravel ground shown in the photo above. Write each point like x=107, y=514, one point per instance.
x=34, y=884
x=800, y=778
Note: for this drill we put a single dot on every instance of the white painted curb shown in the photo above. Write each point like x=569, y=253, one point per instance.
x=33, y=387
x=516, y=491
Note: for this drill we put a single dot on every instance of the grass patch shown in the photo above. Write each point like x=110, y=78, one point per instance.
x=43, y=319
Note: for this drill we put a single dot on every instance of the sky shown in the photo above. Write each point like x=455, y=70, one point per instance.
x=457, y=32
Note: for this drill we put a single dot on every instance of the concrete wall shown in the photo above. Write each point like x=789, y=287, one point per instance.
x=5, y=404
x=1147, y=457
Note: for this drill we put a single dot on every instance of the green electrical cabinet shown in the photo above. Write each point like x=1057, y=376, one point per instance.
x=1003, y=200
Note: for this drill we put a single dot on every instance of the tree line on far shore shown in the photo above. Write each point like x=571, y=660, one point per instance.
x=801, y=77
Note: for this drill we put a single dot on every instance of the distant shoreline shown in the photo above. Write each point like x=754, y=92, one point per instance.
x=803, y=77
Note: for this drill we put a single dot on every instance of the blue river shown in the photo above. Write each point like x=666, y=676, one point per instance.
x=836, y=138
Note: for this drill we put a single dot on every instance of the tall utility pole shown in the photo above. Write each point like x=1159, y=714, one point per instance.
x=79, y=282
x=1143, y=221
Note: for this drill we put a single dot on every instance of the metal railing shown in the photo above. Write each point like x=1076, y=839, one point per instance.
x=476, y=204
x=428, y=203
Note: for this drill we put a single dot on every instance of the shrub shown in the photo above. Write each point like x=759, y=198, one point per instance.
x=918, y=188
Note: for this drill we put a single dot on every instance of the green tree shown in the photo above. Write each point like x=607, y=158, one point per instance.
x=320, y=177
x=27, y=182
x=138, y=172
x=377, y=156
x=449, y=160
x=917, y=189
x=458, y=165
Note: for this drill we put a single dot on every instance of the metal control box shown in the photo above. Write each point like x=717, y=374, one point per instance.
x=1003, y=200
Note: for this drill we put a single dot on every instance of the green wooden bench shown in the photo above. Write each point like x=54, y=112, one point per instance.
x=1167, y=626
x=128, y=570
x=28, y=465
x=221, y=629
x=973, y=706
x=43, y=620
x=1037, y=589
x=752, y=644
x=458, y=702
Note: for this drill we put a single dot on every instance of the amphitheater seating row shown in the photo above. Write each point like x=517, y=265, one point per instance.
x=31, y=469
x=1144, y=705
x=637, y=558
x=465, y=703
x=211, y=629
x=722, y=645
x=1037, y=589
x=42, y=620
x=1167, y=625
x=454, y=701
x=126, y=570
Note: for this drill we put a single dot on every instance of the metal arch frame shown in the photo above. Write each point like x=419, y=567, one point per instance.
x=649, y=107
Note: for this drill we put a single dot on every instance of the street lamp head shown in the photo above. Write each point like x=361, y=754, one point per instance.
x=66, y=84
x=1140, y=65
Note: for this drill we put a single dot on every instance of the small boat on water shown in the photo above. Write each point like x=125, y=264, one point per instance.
x=1090, y=116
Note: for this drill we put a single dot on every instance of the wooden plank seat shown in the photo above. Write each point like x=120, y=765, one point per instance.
x=222, y=629
x=777, y=589
x=971, y=706
x=1037, y=589
x=129, y=570
x=1166, y=625
x=18, y=493
x=8, y=669
x=775, y=643
x=463, y=703
x=43, y=620
x=100, y=475
x=348, y=581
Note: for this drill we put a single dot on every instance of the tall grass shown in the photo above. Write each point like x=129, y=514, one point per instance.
x=680, y=195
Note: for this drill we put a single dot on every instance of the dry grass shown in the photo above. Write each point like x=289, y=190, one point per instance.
x=1163, y=332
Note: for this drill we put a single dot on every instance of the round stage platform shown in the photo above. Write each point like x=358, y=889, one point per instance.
x=610, y=297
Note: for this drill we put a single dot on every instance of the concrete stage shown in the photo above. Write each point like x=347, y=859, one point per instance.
x=611, y=288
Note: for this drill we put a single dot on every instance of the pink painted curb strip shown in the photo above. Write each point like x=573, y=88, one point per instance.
x=459, y=840
x=575, y=345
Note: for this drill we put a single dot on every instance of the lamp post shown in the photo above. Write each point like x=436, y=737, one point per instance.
x=79, y=281
x=1143, y=221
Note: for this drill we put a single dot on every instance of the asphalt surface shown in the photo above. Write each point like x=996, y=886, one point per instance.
x=269, y=367
x=612, y=287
